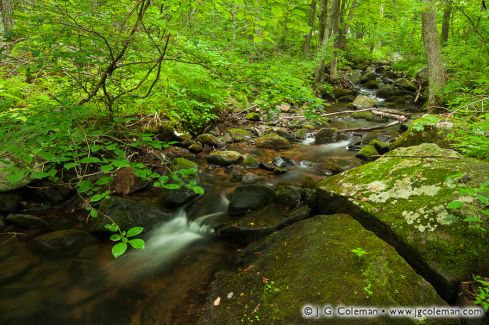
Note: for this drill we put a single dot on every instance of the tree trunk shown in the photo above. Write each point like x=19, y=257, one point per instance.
x=335, y=27
x=323, y=17
x=436, y=71
x=312, y=16
x=7, y=9
x=445, y=26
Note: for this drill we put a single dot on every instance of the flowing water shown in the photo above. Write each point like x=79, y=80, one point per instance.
x=167, y=282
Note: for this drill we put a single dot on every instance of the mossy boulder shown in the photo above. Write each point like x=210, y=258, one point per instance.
x=128, y=213
x=342, y=92
x=287, y=195
x=310, y=262
x=362, y=101
x=403, y=197
x=436, y=133
x=368, y=153
x=247, y=198
x=208, y=139
x=405, y=84
x=272, y=141
x=251, y=162
x=372, y=84
x=239, y=135
x=368, y=76
x=329, y=135
x=225, y=158
x=253, y=117
x=381, y=146
x=182, y=163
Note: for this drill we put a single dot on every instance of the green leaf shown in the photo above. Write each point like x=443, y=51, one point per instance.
x=115, y=237
x=198, y=190
x=90, y=160
x=99, y=197
x=120, y=163
x=119, y=249
x=134, y=231
x=472, y=219
x=455, y=205
x=39, y=175
x=171, y=186
x=137, y=243
x=483, y=199
x=189, y=171
x=84, y=186
x=70, y=165
x=104, y=180
x=106, y=168
x=16, y=177
x=93, y=213
x=111, y=227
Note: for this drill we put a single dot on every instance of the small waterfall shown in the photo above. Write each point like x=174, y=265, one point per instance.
x=335, y=145
x=309, y=139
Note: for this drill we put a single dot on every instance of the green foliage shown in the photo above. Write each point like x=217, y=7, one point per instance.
x=124, y=238
x=470, y=135
x=475, y=212
x=482, y=297
x=427, y=120
x=359, y=252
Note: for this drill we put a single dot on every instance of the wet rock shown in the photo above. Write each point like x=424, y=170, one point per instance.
x=381, y=146
x=62, y=243
x=280, y=161
x=389, y=91
x=405, y=99
x=208, y=139
x=328, y=135
x=272, y=141
x=368, y=77
x=10, y=202
x=372, y=84
x=314, y=256
x=253, y=117
x=391, y=74
x=227, y=138
x=404, y=202
x=279, y=171
x=404, y=84
x=367, y=153
x=225, y=158
x=251, y=162
x=250, y=197
x=126, y=182
x=250, y=178
x=27, y=221
x=239, y=135
x=128, y=213
x=436, y=133
x=327, y=168
x=363, y=101
x=346, y=99
x=287, y=195
x=195, y=147
x=308, y=196
x=284, y=133
x=267, y=166
x=342, y=92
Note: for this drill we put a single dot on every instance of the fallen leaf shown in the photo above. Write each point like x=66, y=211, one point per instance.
x=217, y=301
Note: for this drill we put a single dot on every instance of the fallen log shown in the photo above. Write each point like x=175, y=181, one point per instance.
x=373, y=128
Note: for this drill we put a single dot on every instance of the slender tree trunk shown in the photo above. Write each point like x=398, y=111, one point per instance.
x=7, y=9
x=323, y=17
x=436, y=71
x=312, y=16
x=445, y=26
x=335, y=27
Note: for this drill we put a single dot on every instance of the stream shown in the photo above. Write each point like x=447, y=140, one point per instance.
x=167, y=282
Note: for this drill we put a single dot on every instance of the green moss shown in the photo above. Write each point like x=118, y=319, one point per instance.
x=253, y=116
x=208, y=139
x=182, y=163
x=239, y=134
x=250, y=162
x=311, y=262
x=368, y=153
x=380, y=146
x=408, y=194
x=272, y=141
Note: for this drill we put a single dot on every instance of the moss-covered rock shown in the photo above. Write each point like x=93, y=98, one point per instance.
x=405, y=84
x=253, y=117
x=195, y=147
x=287, y=195
x=363, y=101
x=342, y=92
x=436, y=133
x=367, y=153
x=381, y=146
x=272, y=141
x=208, y=139
x=224, y=158
x=239, y=135
x=251, y=162
x=247, y=198
x=403, y=197
x=372, y=84
x=182, y=163
x=311, y=262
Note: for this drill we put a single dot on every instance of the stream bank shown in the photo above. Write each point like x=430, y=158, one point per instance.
x=260, y=178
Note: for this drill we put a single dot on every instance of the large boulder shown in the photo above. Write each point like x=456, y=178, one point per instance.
x=362, y=101
x=272, y=141
x=311, y=262
x=27, y=221
x=225, y=158
x=128, y=213
x=417, y=134
x=250, y=197
x=403, y=198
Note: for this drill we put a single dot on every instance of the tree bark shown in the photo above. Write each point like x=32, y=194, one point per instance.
x=436, y=71
x=312, y=16
x=445, y=26
x=323, y=17
x=7, y=9
x=335, y=26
